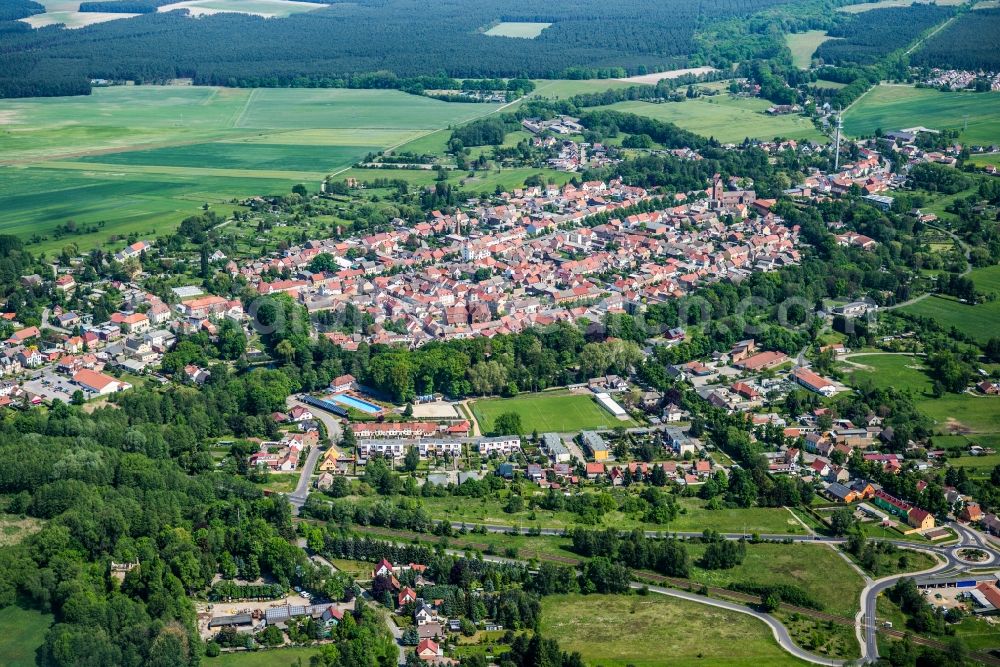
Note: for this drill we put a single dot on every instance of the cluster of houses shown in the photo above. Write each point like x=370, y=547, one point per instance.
x=545, y=264
x=283, y=455
x=958, y=79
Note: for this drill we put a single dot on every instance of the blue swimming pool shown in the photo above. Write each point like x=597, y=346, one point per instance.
x=356, y=403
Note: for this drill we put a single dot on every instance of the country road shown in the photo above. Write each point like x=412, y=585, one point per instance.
x=298, y=497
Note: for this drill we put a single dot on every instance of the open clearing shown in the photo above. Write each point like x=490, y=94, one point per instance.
x=265, y=8
x=22, y=631
x=618, y=630
x=815, y=568
x=803, y=45
x=726, y=118
x=557, y=411
x=882, y=4
x=892, y=107
x=524, y=30
x=656, y=77
x=141, y=158
x=73, y=20
x=970, y=413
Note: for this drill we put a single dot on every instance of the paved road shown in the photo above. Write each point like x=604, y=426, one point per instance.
x=298, y=497
x=779, y=631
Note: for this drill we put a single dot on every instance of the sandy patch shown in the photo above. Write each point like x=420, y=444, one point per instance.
x=276, y=9
x=73, y=20
x=438, y=410
x=8, y=117
x=652, y=79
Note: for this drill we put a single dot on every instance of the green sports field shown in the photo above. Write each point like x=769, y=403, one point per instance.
x=140, y=159
x=619, y=630
x=557, y=411
x=726, y=118
x=894, y=107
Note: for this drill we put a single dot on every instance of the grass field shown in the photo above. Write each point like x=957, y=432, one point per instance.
x=22, y=631
x=977, y=414
x=803, y=45
x=897, y=106
x=979, y=321
x=816, y=568
x=557, y=411
x=524, y=30
x=618, y=630
x=693, y=518
x=142, y=158
x=726, y=118
x=270, y=658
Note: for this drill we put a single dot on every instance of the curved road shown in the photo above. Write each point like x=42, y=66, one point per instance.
x=779, y=631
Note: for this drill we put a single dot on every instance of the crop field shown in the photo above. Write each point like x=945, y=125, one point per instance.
x=557, y=411
x=803, y=45
x=618, y=630
x=896, y=107
x=140, y=159
x=524, y=30
x=726, y=118
x=22, y=631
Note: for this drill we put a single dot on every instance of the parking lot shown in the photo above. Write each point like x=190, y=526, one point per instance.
x=50, y=386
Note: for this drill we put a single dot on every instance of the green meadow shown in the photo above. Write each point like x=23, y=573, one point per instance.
x=893, y=107
x=726, y=118
x=968, y=412
x=140, y=159
x=22, y=631
x=803, y=45
x=620, y=630
x=979, y=321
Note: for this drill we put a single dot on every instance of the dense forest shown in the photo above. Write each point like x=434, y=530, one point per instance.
x=867, y=37
x=11, y=10
x=327, y=46
x=968, y=43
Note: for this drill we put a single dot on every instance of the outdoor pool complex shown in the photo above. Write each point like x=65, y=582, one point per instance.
x=356, y=403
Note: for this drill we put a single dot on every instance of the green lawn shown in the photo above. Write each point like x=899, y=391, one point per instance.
x=617, y=630
x=141, y=158
x=22, y=631
x=892, y=107
x=726, y=118
x=269, y=658
x=815, y=568
x=803, y=45
x=888, y=370
x=558, y=411
x=977, y=466
x=520, y=29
